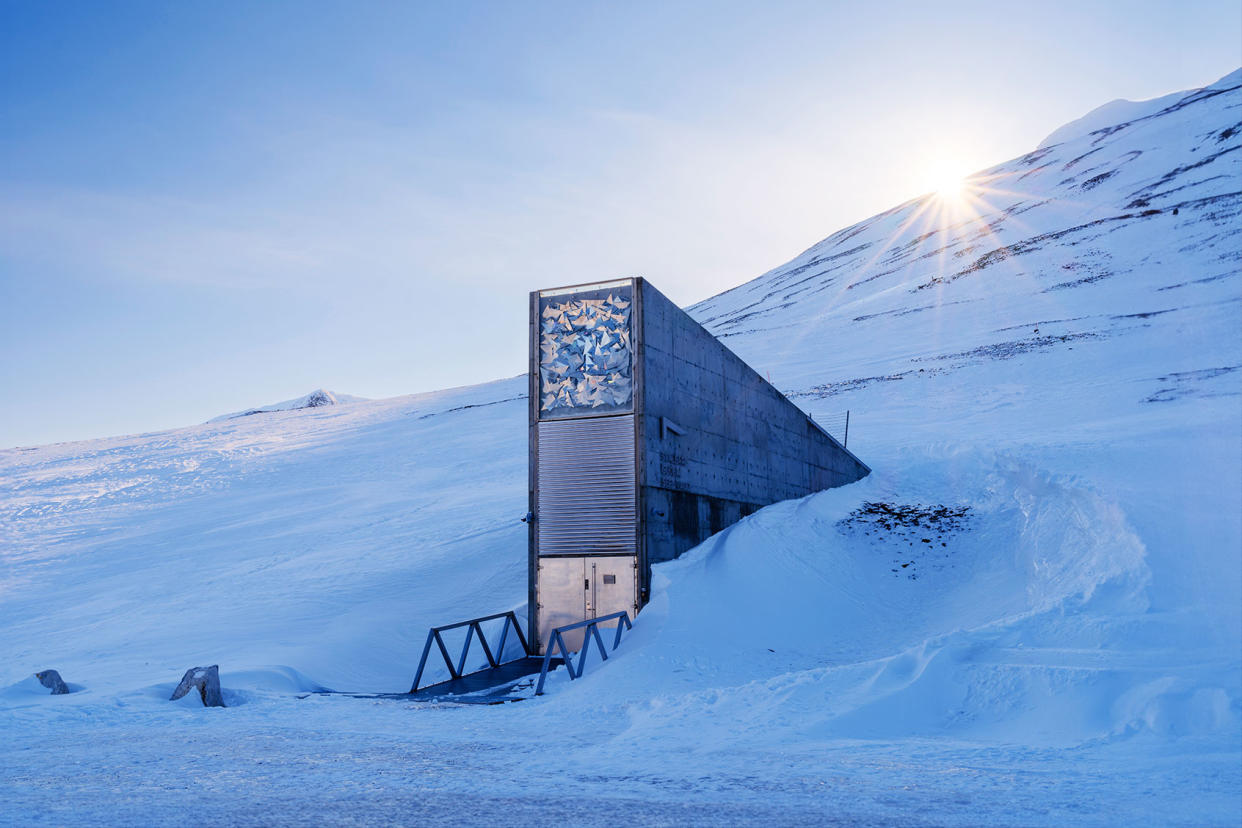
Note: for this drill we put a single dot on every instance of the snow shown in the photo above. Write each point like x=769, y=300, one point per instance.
x=1055, y=377
x=315, y=399
x=1122, y=111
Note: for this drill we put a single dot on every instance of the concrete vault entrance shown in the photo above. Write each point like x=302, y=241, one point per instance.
x=647, y=435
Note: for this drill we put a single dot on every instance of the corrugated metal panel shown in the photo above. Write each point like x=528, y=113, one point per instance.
x=586, y=494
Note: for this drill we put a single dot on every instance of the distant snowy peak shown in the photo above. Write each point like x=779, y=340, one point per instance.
x=1122, y=111
x=315, y=399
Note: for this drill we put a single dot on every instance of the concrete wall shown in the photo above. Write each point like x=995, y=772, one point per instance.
x=714, y=440
x=744, y=445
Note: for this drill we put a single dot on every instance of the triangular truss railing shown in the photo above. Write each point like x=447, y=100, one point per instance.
x=557, y=642
x=476, y=630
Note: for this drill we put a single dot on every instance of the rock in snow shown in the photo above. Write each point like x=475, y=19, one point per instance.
x=318, y=398
x=52, y=680
x=207, y=680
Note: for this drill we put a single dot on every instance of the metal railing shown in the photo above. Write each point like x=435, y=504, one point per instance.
x=837, y=425
x=475, y=629
x=556, y=641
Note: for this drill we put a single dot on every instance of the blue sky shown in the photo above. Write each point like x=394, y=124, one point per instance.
x=205, y=207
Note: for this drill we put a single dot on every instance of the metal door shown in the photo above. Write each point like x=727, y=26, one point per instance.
x=562, y=593
x=586, y=526
x=575, y=589
x=613, y=586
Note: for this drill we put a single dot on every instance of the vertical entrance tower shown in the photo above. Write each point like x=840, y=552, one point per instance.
x=647, y=435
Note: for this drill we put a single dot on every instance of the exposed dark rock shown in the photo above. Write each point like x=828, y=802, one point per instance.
x=207, y=680
x=889, y=524
x=1009, y=350
x=52, y=680
x=833, y=388
x=1095, y=181
x=1183, y=384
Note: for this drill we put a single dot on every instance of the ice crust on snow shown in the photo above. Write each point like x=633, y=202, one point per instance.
x=1060, y=366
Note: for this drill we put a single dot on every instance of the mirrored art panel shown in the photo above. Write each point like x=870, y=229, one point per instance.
x=585, y=357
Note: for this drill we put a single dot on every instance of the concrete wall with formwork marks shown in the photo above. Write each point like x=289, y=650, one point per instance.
x=716, y=440
x=647, y=435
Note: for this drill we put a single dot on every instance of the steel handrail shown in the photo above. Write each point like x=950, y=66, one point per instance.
x=592, y=624
x=455, y=670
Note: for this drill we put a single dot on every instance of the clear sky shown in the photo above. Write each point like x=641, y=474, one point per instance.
x=210, y=206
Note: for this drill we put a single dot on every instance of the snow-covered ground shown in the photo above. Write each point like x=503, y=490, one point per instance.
x=315, y=399
x=1030, y=613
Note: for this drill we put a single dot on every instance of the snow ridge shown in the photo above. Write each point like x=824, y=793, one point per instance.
x=315, y=399
x=1122, y=111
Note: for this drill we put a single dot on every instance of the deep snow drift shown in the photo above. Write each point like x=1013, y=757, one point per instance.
x=1030, y=613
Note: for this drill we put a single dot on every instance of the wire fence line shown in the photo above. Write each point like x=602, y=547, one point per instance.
x=838, y=425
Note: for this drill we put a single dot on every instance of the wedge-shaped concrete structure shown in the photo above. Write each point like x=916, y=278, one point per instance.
x=647, y=435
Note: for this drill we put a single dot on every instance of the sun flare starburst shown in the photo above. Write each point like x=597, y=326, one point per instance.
x=948, y=182
x=951, y=188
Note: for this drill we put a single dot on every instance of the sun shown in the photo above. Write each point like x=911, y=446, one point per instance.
x=947, y=181
x=951, y=188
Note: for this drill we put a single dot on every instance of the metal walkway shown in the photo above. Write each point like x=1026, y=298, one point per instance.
x=511, y=681
x=497, y=672
x=502, y=681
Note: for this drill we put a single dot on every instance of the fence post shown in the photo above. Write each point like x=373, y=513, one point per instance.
x=846, y=444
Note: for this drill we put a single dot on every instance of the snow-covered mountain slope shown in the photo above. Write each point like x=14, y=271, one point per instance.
x=315, y=399
x=1030, y=613
x=340, y=531
x=1112, y=242
x=1111, y=114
